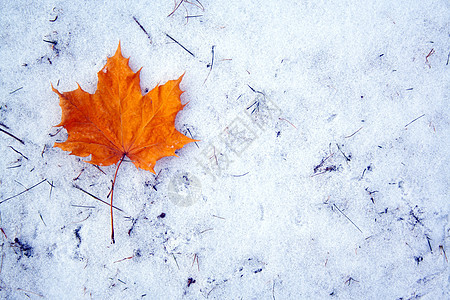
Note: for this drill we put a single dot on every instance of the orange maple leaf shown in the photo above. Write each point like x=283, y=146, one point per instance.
x=118, y=121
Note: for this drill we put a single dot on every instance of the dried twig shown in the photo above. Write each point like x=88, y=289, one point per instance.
x=176, y=8
x=16, y=90
x=177, y=5
x=218, y=217
x=282, y=119
x=27, y=291
x=210, y=66
x=240, y=175
x=441, y=249
x=143, y=29
x=180, y=45
x=354, y=133
x=347, y=217
x=42, y=219
x=428, y=55
x=346, y=158
x=196, y=259
x=414, y=120
x=95, y=197
x=13, y=136
x=18, y=152
x=429, y=244
x=192, y=137
x=175, y=260
x=26, y=190
x=316, y=168
x=350, y=279
x=82, y=206
x=130, y=257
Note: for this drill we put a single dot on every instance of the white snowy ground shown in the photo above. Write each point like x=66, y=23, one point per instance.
x=322, y=170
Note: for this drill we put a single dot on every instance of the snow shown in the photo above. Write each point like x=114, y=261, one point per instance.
x=322, y=170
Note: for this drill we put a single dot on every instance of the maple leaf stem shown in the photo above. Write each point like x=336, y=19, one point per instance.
x=112, y=194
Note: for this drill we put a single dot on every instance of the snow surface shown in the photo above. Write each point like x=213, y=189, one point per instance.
x=322, y=170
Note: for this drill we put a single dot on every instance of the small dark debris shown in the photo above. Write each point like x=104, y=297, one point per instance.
x=51, y=42
x=162, y=215
x=418, y=259
x=77, y=235
x=415, y=217
x=132, y=226
x=384, y=211
x=257, y=271
x=22, y=247
x=137, y=253
x=278, y=133
x=190, y=281
x=350, y=279
x=319, y=167
x=371, y=194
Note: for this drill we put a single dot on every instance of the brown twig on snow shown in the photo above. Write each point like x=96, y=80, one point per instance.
x=428, y=55
x=4, y=233
x=196, y=259
x=177, y=5
x=112, y=195
x=354, y=133
x=130, y=257
x=282, y=119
